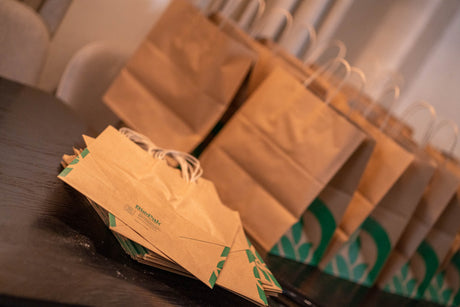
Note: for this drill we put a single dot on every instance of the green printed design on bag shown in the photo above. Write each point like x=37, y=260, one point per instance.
x=267, y=273
x=112, y=221
x=438, y=290
x=225, y=252
x=431, y=265
x=219, y=266
x=456, y=262
x=327, y=222
x=264, y=269
x=351, y=269
x=348, y=264
x=250, y=255
x=122, y=240
x=296, y=246
x=402, y=283
x=65, y=171
x=84, y=153
x=68, y=169
x=138, y=248
x=259, y=258
x=252, y=259
x=383, y=244
x=262, y=295
x=132, y=248
x=213, y=279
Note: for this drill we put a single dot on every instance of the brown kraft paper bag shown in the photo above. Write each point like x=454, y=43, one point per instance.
x=436, y=198
x=276, y=154
x=363, y=255
x=267, y=60
x=324, y=82
x=387, y=164
x=415, y=273
x=306, y=241
x=328, y=208
x=180, y=80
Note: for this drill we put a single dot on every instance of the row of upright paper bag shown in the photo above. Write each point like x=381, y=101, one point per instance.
x=313, y=181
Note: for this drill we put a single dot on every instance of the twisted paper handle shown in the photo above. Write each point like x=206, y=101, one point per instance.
x=189, y=165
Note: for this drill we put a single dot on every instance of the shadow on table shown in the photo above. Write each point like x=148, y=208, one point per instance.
x=73, y=225
x=325, y=290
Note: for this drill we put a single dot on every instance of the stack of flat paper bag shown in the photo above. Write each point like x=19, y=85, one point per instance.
x=165, y=221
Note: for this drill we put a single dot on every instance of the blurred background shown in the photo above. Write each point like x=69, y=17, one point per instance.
x=410, y=43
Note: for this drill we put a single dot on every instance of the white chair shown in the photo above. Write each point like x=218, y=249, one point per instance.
x=24, y=42
x=85, y=80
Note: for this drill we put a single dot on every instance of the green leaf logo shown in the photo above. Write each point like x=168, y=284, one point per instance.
x=438, y=290
x=353, y=250
x=403, y=282
x=346, y=263
x=342, y=266
x=349, y=255
x=446, y=294
x=359, y=270
x=297, y=246
x=297, y=229
x=304, y=251
x=288, y=248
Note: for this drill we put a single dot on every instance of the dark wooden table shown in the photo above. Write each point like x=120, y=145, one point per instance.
x=54, y=250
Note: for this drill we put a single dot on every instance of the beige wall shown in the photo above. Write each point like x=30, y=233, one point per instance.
x=122, y=22
x=416, y=41
x=438, y=81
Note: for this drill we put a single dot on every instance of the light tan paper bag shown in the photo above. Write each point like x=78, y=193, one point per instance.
x=383, y=204
x=442, y=187
x=123, y=179
x=266, y=61
x=415, y=274
x=444, y=288
x=452, y=251
x=387, y=164
x=363, y=255
x=335, y=197
x=322, y=85
x=304, y=244
x=276, y=154
x=306, y=241
x=181, y=79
